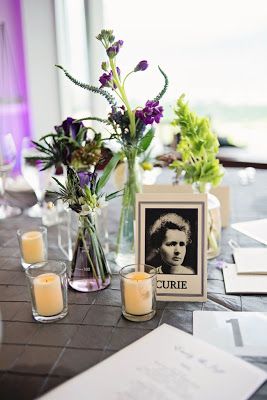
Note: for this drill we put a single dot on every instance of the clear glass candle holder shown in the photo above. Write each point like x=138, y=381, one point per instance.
x=47, y=282
x=33, y=245
x=138, y=292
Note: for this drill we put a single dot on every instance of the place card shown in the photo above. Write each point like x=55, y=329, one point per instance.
x=243, y=283
x=165, y=364
x=250, y=260
x=255, y=229
x=239, y=333
x=221, y=192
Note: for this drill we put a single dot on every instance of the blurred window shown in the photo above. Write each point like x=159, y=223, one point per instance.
x=213, y=51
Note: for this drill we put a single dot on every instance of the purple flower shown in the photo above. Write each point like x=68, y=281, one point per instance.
x=105, y=79
x=151, y=113
x=113, y=50
x=69, y=128
x=86, y=178
x=141, y=66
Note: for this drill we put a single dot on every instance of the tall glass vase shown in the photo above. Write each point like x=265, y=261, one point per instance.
x=214, y=219
x=89, y=269
x=125, y=253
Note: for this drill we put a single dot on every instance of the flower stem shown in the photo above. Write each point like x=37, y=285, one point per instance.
x=126, y=228
x=123, y=96
x=89, y=259
x=97, y=248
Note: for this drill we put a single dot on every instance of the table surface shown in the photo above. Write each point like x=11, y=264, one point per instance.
x=36, y=357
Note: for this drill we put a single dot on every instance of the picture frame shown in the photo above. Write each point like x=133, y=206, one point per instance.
x=222, y=193
x=171, y=236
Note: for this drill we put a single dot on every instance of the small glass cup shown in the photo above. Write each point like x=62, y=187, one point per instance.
x=33, y=245
x=138, y=292
x=47, y=282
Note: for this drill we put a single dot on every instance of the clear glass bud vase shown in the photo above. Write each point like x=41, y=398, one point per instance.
x=125, y=253
x=214, y=219
x=89, y=269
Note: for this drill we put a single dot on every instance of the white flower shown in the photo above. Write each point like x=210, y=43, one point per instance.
x=101, y=204
x=85, y=210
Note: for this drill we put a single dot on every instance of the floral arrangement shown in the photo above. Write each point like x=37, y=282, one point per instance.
x=131, y=127
x=82, y=190
x=83, y=194
x=128, y=124
x=199, y=166
x=198, y=147
x=70, y=146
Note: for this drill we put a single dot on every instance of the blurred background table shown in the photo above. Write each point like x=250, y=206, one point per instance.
x=36, y=357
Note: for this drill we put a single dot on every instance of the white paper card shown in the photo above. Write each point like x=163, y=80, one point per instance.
x=252, y=260
x=241, y=283
x=166, y=364
x=239, y=333
x=255, y=229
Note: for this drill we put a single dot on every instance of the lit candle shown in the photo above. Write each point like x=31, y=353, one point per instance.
x=48, y=294
x=32, y=247
x=138, y=293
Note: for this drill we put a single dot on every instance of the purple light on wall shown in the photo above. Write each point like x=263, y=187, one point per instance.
x=14, y=111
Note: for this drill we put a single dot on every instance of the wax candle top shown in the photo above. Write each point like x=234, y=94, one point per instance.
x=48, y=294
x=46, y=278
x=138, y=276
x=32, y=235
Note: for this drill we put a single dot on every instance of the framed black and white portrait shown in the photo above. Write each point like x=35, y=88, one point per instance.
x=171, y=236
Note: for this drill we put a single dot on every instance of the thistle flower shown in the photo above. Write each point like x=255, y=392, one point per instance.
x=86, y=177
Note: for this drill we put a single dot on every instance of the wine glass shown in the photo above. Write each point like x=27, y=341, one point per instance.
x=33, y=174
x=7, y=161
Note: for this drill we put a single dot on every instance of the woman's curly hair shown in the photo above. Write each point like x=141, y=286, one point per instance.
x=163, y=223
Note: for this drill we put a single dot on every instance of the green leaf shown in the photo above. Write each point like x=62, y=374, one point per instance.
x=114, y=194
x=81, y=135
x=91, y=88
x=107, y=172
x=166, y=84
x=146, y=140
x=105, y=121
x=59, y=184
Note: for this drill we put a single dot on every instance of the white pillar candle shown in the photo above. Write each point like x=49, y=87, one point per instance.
x=48, y=294
x=138, y=293
x=32, y=247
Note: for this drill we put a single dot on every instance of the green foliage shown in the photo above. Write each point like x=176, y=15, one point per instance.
x=198, y=147
x=146, y=141
x=91, y=88
x=165, y=87
x=107, y=172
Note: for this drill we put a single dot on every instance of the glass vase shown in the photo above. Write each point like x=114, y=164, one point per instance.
x=125, y=239
x=89, y=269
x=214, y=226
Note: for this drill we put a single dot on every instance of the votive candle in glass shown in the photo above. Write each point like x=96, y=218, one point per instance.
x=138, y=292
x=33, y=245
x=47, y=282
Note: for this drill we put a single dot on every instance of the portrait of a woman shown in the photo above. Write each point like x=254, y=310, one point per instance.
x=169, y=237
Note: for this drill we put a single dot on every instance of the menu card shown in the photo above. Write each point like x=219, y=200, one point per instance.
x=166, y=364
